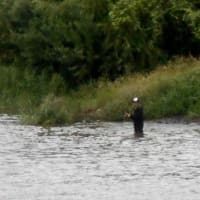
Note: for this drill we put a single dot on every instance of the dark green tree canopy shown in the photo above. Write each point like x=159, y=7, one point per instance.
x=87, y=39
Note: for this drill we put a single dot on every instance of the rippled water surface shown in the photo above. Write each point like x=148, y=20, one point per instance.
x=99, y=161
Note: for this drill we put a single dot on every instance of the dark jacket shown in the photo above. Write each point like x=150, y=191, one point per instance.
x=138, y=120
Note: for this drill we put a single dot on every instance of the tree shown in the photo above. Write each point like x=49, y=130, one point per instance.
x=180, y=28
x=137, y=29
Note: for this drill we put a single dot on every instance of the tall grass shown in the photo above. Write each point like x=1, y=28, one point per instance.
x=170, y=90
x=22, y=91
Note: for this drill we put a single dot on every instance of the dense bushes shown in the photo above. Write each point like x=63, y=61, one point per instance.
x=40, y=99
x=22, y=91
x=87, y=39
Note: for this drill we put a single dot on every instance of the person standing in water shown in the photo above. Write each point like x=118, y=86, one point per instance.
x=137, y=117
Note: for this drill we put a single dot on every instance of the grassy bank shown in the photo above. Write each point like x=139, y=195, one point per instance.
x=171, y=90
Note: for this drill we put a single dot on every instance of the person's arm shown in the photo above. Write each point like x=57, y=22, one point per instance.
x=127, y=115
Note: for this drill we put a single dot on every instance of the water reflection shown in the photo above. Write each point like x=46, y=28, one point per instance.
x=99, y=161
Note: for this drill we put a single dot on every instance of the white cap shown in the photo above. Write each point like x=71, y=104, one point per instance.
x=135, y=99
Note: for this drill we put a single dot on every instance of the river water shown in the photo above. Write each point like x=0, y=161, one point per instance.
x=99, y=161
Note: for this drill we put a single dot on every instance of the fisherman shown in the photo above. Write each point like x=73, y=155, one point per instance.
x=137, y=117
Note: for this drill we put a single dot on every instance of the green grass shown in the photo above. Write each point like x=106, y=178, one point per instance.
x=171, y=90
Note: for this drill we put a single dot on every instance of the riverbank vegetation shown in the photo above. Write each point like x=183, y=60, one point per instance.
x=67, y=60
x=170, y=90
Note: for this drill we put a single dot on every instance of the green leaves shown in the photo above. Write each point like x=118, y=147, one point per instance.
x=88, y=39
x=180, y=25
x=137, y=29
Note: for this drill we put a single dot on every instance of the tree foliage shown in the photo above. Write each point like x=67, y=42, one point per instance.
x=86, y=39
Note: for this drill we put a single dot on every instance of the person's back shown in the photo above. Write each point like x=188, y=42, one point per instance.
x=138, y=119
